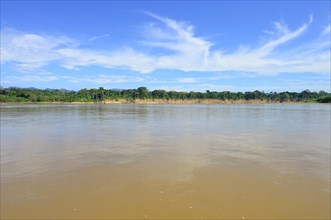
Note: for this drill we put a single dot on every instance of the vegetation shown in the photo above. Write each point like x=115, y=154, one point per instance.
x=325, y=99
x=101, y=94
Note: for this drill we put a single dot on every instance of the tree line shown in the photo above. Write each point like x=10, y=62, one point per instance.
x=101, y=94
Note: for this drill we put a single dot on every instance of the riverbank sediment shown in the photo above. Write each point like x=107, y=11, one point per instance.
x=165, y=101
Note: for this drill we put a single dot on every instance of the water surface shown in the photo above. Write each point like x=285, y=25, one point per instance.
x=165, y=161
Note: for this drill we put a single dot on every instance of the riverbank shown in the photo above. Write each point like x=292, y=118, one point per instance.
x=165, y=101
x=189, y=101
x=142, y=95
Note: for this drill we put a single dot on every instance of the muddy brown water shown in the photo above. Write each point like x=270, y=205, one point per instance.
x=165, y=161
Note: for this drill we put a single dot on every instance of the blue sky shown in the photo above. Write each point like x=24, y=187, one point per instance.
x=171, y=45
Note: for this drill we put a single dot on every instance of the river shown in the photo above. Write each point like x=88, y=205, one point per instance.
x=165, y=161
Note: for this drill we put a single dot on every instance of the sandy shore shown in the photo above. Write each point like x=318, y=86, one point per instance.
x=187, y=101
x=162, y=101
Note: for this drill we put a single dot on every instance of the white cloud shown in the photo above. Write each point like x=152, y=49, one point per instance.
x=31, y=51
x=30, y=67
x=97, y=37
x=183, y=50
x=103, y=79
x=217, y=76
x=216, y=87
x=125, y=58
x=187, y=80
x=326, y=30
x=197, y=88
x=29, y=79
x=285, y=36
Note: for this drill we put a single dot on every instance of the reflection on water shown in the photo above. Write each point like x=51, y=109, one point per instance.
x=165, y=161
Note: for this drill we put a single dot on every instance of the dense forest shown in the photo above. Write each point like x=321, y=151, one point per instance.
x=101, y=94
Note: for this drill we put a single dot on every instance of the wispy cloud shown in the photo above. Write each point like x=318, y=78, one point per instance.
x=103, y=79
x=182, y=50
x=284, y=36
x=187, y=80
x=326, y=30
x=97, y=37
x=29, y=79
x=75, y=58
x=215, y=76
x=197, y=88
x=34, y=67
x=30, y=48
